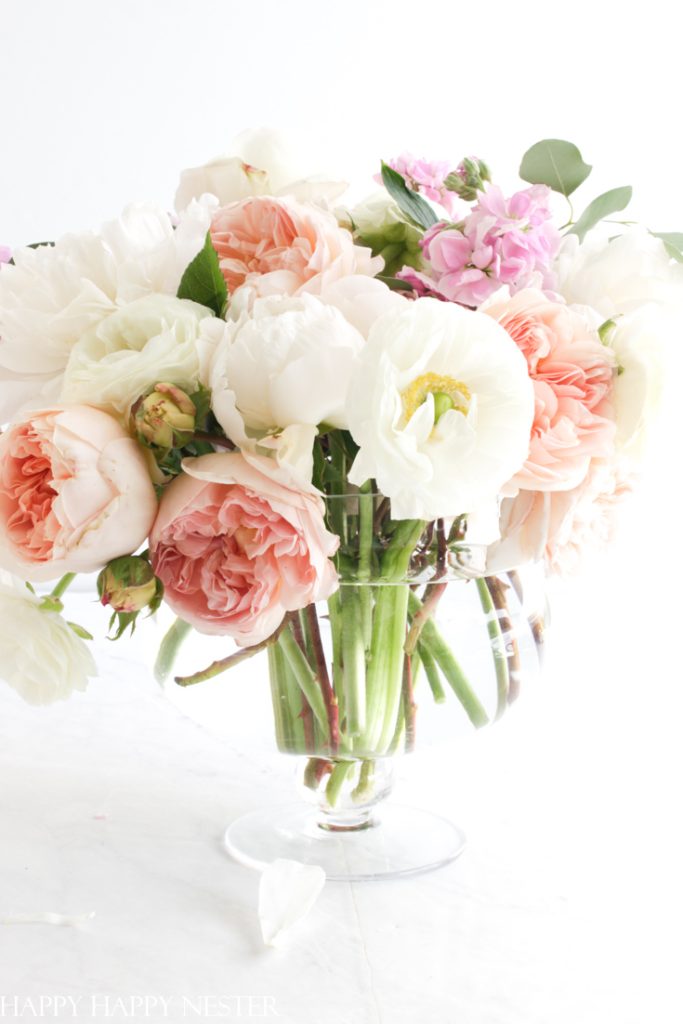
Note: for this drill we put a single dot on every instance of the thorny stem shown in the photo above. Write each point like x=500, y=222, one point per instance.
x=324, y=678
x=410, y=707
x=223, y=664
x=434, y=593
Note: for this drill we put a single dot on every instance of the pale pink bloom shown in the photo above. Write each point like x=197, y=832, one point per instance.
x=426, y=177
x=563, y=528
x=75, y=492
x=5, y=254
x=502, y=242
x=573, y=376
x=283, y=247
x=237, y=547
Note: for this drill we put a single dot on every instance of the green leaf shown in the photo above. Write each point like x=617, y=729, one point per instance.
x=673, y=243
x=80, y=631
x=203, y=282
x=411, y=204
x=555, y=163
x=609, y=202
x=395, y=283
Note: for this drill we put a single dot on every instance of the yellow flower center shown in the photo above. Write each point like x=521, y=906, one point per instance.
x=448, y=394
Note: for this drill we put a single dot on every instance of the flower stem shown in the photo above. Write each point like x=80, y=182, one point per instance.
x=324, y=677
x=409, y=705
x=493, y=627
x=222, y=665
x=497, y=589
x=336, y=781
x=63, y=585
x=432, y=673
x=433, y=595
x=304, y=675
x=353, y=660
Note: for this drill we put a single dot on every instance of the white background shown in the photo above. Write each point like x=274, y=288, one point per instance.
x=102, y=103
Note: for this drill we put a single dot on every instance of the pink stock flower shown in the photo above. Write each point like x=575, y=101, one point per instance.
x=426, y=177
x=573, y=376
x=501, y=242
x=74, y=493
x=237, y=547
x=564, y=528
x=283, y=247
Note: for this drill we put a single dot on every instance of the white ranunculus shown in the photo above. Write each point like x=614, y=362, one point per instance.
x=259, y=162
x=150, y=340
x=441, y=405
x=619, y=276
x=40, y=655
x=640, y=341
x=55, y=294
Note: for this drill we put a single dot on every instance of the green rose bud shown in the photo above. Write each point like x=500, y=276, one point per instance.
x=165, y=418
x=128, y=585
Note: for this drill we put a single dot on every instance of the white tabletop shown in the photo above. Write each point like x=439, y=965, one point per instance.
x=565, y=907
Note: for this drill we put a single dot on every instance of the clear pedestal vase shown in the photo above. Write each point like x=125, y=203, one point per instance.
x=416, y=625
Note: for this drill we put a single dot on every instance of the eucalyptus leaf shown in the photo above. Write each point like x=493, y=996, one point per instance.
x=203, y=281
x=411, y=203
x=555, y=163
x=602, y=206
x=673, y=243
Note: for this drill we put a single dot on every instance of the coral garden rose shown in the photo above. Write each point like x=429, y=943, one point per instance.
x=237, y=547
x=74, y=493
x=281, y=246
x=573, y=375
x=51, y=662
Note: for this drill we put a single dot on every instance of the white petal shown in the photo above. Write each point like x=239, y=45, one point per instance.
x=287, y=892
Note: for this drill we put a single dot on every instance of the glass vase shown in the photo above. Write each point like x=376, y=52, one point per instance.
x=416, y=625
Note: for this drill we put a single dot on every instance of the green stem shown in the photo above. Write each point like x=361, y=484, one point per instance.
x=336, y=781
x=63, y=585
x=168, y=649
x=353, y=659
x=280, y=707
x=434, y=643
x=495, y=633
x=396, y=558
x=432, y=673
x=305, y=676
x=393, y=679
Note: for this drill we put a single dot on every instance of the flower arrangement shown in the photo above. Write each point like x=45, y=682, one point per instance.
x=238, y=407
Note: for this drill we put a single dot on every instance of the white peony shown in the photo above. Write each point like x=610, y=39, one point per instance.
x=259, y=162
x=619, y=276
x=54, y=294
x=286, y=362
x=441, y=405
x=40, y=655
x=150, y=340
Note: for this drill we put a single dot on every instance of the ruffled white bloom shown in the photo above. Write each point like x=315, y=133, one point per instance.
x=286, y=362
x=441, y=405
x=619, y=276
x=639, y=341
x=54, y=294
x=259, y=162
x=150, y=340
x=40, y=655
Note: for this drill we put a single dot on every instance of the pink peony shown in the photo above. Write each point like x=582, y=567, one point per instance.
x=74, y=493
x=282, y=247
x=236, y=547
x=573, y=376
x=502, y=242
x=565, y=527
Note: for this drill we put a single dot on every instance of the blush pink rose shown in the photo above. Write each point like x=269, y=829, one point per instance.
x=563, y=528
x=75, y=492
x=237, y=547
x=573, y=376
x=283, y=247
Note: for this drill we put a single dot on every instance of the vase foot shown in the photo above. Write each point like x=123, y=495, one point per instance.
x=401, y=841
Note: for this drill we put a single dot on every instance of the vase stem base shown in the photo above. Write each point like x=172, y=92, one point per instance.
x=401, y=841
